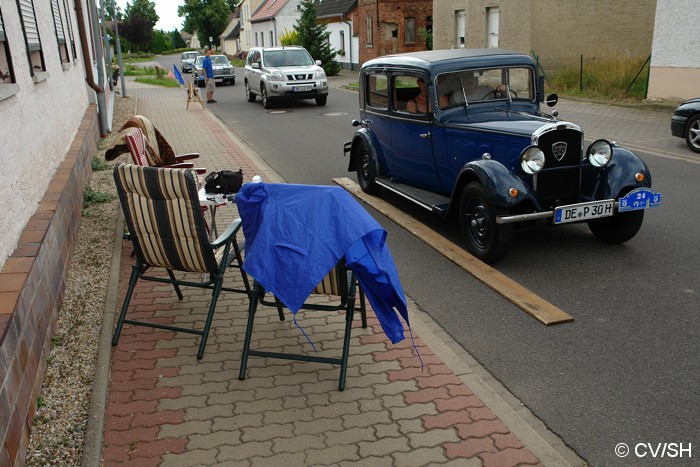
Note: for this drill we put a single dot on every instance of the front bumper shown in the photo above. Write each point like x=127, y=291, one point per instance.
x=282, y=89
x=678, y=126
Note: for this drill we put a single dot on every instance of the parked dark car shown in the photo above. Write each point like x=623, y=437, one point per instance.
x=223, y=70
x=685, y=123
x=460, y=132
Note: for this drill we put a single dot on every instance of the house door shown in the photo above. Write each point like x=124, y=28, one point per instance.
x=492, y=17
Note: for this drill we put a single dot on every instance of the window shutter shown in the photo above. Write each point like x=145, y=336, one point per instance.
x=31, y=30
x=58, y=23
x=70, y=28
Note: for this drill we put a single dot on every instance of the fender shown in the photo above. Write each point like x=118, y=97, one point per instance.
x=365, y=136
x=496, y=179
x=617, y=178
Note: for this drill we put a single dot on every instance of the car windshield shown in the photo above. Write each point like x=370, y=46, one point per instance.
x=293, y=57
x=219, y=60
x=485, y=84
x=199, y=60
x=190, y=55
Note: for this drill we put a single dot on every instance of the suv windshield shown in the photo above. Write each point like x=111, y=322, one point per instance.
x=294, y=57
x=483, y=84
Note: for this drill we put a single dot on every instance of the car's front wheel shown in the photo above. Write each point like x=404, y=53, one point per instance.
x=366, y=173
x=618, y=228
x=485, y=239
x=692, y=133
x=321, y=100
x=265, y=100
x=248, y=93
x=200, y=83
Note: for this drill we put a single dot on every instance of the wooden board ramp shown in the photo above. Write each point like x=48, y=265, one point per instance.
x=529, y=302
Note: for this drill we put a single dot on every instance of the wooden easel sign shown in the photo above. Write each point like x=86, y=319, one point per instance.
x=193, y=95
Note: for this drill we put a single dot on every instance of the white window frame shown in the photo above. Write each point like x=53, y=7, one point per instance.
x=6, y=66
x=460, y=29
x=69, y=27
x=369, y=32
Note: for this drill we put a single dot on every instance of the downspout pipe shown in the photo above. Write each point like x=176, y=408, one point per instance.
x=89, y=78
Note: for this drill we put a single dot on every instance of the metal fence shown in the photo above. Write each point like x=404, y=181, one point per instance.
x=613, y=76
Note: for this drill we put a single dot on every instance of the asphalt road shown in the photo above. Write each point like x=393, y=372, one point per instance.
x=627, y=370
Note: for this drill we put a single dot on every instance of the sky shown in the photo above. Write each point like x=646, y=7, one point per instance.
x=166, y=10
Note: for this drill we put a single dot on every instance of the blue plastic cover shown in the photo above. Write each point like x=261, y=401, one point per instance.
x=295, y=234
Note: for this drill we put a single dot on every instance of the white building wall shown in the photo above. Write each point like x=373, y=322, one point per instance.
x=247, y=8
x=285, y=20
x=675, y=61
x=352, y=44
x=38, y=120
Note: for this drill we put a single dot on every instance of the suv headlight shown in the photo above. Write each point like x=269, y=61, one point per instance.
x=532, y=160
x=599, y=153
x=320, y=75
x=276, y=76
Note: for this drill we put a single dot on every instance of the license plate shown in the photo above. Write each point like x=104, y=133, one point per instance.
x=302, y=88
x=584, y=211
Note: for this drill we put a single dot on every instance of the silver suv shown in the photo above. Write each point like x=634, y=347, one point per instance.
x=187, y=61
x=284, y=73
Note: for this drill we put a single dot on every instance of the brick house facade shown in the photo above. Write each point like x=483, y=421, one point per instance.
x=391, y=26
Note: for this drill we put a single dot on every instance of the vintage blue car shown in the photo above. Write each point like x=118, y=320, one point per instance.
x=460, y=132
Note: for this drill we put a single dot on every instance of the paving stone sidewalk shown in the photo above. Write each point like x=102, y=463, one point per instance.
x=166, y=408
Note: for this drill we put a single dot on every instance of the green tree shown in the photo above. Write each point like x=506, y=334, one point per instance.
x=110, y=6
x=313, y=36
x=178, y=41
x=208, y=17
x=138, y=31
x=144, y=9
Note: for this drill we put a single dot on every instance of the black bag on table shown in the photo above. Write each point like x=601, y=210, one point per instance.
x=224, y=181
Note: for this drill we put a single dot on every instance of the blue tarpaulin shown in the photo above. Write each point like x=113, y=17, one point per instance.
x=295, y=234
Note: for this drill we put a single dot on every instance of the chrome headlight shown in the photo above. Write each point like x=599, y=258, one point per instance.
x=599, y=153
x=532, y=160
x=320, y=75
x=276, y=76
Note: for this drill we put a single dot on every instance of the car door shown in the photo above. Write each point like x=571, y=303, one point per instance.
x=411, y=131
x=253, y=74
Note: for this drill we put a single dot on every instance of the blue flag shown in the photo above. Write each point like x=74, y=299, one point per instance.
x=178, y=76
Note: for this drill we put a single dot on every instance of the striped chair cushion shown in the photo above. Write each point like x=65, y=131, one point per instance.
x=136, y=142
x=162, y=210
x=330, y=285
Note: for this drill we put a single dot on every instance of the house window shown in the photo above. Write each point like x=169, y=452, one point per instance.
x=492, y=18
x=342, y=43
x=262, y=39
x=60, y=32
x=69, y=24
x=31, y=36
x=369, y=31
x=7, y=74
x=409, y=30
x=460, y=20
x=272, y=39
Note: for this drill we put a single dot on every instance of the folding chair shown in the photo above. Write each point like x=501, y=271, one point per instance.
x=339, y=282
x=137, y=143
x=167, y=229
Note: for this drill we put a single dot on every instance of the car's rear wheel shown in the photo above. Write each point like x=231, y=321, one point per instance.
x=692, y=133
x=366, y=173
x=618, y=228
x=321, y=100
x=265, y=100
x=248, y=93
x=485, y=239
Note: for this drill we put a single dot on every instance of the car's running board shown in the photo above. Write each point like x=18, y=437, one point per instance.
x=425, y=199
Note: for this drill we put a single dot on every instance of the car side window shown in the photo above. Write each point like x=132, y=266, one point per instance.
x=410, y=94
x=378, y=91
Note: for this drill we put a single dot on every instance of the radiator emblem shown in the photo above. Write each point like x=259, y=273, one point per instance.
x=559, y=149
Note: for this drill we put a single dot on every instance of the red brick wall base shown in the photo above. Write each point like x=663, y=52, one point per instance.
x=32, y=284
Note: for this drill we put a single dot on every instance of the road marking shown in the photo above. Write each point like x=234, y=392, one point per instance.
x=529, y=302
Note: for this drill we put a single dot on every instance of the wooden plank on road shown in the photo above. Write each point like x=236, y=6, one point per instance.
x=529, y=302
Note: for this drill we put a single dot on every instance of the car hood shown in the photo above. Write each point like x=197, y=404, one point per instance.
x=515, y=123
x=695, y=100
x=292, y=70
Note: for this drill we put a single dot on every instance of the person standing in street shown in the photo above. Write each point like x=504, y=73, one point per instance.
x=209, y=83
